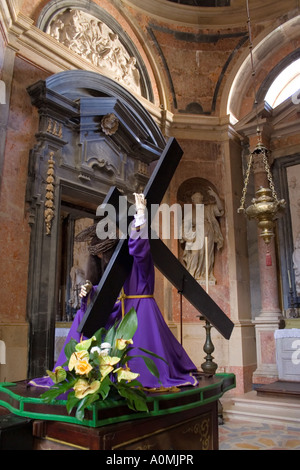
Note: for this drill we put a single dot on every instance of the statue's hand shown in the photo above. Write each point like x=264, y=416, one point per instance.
x=85, y=289
x=140, y=202
x=211, y=192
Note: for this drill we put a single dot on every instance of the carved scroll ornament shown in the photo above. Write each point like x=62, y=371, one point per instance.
x=109, y=124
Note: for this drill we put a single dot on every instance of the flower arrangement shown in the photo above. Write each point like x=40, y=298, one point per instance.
x=97, y=368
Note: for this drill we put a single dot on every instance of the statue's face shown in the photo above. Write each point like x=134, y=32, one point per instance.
x=197, y=198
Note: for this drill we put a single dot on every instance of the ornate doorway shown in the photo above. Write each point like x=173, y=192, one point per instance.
x=93, y=134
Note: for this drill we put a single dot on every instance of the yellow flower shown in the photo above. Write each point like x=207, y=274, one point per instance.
x=125, y=374
x=107, y=364
x=83, y=367
x=122, y=343
x=85, y=344
x=76, y=357
x=105, y=370
x=83, y=388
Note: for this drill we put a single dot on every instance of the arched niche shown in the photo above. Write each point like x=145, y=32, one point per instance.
x=92, y=134
x=200, y=227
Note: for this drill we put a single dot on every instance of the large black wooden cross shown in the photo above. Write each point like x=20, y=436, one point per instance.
x=120, y=264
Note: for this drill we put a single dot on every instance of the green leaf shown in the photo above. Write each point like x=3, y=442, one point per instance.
x=80, y=409
x=70, y=348
x=57, y=390
x=153, y=354
x=84, y=403
x=99, y=335
x=128, y=325
x=71, y=401
x=110, y=336
x=136, y=383
x=91, y=399
x=50, y=395
x=126, y=330
x=149, y=363
x=151, y=366
x=105, y=387
x=135, y=399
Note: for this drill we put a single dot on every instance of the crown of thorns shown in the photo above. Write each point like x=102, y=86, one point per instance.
x=95, y=244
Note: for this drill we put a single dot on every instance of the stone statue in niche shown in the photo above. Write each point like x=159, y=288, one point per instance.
x=96, y=42
x=77, y=275
x=194, y=253
x=78, y=269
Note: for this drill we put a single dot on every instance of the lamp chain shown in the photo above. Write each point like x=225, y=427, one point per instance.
x=242, y=206
x=260, y=148
x=269, y=176
x=253, y=73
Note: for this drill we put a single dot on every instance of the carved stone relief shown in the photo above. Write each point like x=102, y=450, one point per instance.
x=94, y=41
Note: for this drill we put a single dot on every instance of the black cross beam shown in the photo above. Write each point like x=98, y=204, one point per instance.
x=120, y=264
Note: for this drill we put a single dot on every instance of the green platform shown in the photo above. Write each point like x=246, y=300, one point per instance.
x=25, y=401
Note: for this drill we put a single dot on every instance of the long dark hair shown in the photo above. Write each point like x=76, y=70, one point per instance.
x=96, y=266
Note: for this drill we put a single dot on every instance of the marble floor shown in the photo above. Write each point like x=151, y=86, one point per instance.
x=243, y=435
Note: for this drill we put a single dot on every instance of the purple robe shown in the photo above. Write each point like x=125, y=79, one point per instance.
x=152, y=333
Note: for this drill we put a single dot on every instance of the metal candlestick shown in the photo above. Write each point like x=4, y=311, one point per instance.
x=209, y=366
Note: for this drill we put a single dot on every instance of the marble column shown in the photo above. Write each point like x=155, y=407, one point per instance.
x=270, y=314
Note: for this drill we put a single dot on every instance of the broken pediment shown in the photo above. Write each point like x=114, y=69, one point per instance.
x=98, y=133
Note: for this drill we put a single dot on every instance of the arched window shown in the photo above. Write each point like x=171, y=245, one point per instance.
x=286, y=84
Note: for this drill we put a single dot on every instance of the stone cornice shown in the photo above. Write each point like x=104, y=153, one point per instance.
x=199, y=127
x=8, y=15
x=217, y=17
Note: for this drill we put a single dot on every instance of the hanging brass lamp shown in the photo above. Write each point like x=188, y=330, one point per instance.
x=265, y=210
x=265, y=207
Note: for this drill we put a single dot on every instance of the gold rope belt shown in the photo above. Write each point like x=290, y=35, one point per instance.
x=123, y=296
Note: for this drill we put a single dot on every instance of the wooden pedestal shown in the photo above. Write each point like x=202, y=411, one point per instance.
x=196, y=429
x=183, y=420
